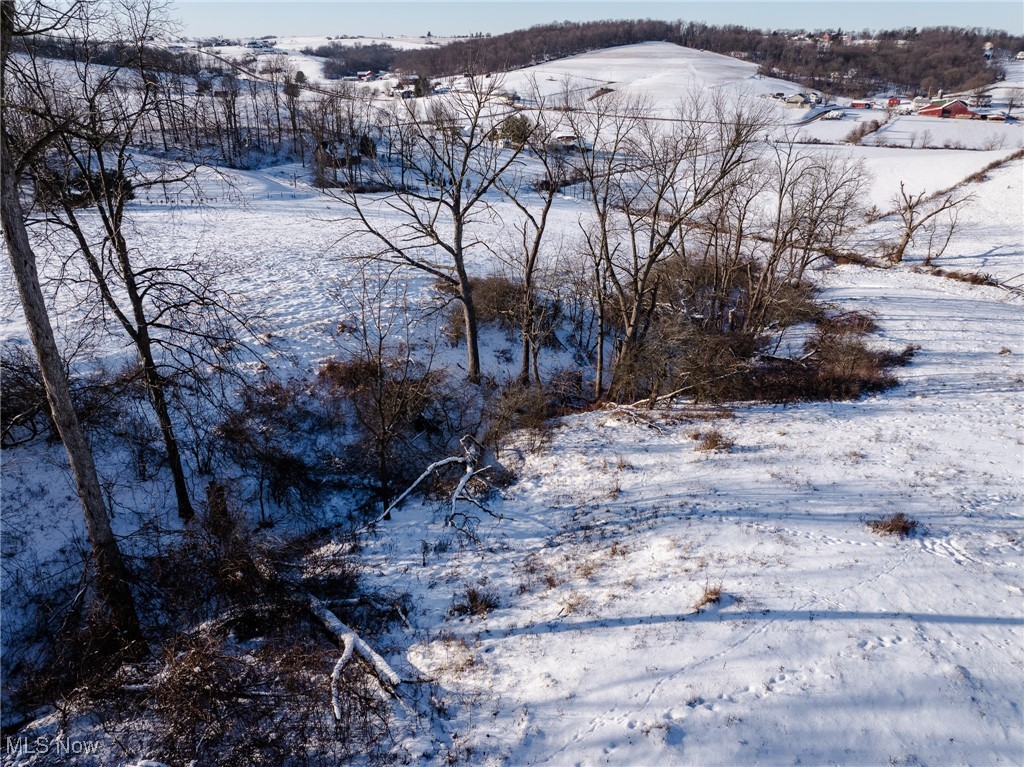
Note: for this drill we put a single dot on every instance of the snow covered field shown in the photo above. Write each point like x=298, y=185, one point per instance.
x=830, y=644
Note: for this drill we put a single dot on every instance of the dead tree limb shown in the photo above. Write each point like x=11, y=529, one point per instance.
x=351, y=643
x=473, y=451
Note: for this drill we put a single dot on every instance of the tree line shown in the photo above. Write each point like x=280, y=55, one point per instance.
x=908, y=60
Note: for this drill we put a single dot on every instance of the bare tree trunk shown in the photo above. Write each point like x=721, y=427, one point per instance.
x=525, y=333
x=110, y=208
x=154, y=381
x=155, y=386
x=600, y=294
x=472, y=329
x=112, y=576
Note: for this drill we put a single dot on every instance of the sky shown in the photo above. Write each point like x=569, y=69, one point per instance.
x=251, y=18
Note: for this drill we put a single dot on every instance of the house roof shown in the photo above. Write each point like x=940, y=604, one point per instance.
x=952, y=105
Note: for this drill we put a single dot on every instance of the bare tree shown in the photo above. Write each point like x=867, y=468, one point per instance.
x=172, y=313
x=1014, y=98
x=396, y=401
x=90, y=166
x=533, y=195
x=811, y=199
x=918, y=213
x=112, y=583
x=291, y=90
x=338, y=122
x=828, y=197
x=649, y=181
x=438, y=164
x=599, y=135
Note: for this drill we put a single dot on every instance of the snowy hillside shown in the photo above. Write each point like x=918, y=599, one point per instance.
x=831, y=645
x=656, y=602
x=664, y=73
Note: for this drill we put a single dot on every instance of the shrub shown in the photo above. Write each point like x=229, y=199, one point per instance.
x=496, y=299
x=516, y=130
x=25, y=410
x=247, y=683
x=513, y=408
x=837, y=365
x=841, y=258
x=286, y=433
x=861, y=130
x=713, y=440
x=402, y=414
x=846, y=323
x=711, y=595
x=713, y=360
x=54, y=188
x=793, y=303
x=898, y=524
x=476, y=601
x=214, y=703
x=971, y=278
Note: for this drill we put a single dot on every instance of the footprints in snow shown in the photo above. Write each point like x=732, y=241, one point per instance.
x=868, y=646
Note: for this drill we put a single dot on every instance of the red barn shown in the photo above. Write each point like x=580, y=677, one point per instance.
x=955, y=108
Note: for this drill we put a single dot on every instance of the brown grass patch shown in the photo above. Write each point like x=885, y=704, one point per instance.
x=712, y=595
x=712, y=440
x=898, y=524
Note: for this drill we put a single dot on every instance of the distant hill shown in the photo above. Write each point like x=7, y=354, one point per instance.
x=833, y=61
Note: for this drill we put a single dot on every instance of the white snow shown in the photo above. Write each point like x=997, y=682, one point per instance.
x=830, y=645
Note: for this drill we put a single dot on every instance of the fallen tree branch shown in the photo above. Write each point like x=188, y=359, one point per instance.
x=473, y=451
x=347, y=647
x=426, y=473
x=351, y=643
x=472, y=456
x=653, y=401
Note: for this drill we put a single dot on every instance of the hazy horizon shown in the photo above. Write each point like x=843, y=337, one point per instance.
x=238, y=18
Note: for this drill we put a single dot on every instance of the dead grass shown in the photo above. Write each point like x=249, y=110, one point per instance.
x=712, y=595
x=702, y=413
x=709, y=441
x=586, y=569
x=536, y=573
x=459, y=655
x=618, y=549
x=476, y=600
x=971, y=278
x=898, y=524
x=842, y=258
x=575, y=603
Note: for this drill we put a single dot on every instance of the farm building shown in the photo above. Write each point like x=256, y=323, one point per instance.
x=953, y=108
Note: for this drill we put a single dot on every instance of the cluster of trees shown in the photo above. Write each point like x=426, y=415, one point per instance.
x=907, y=60
x=69, y=172
x=197, y=109
x=169, y=601
x=212, y=111
x=347, y=60
x=698, y=230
